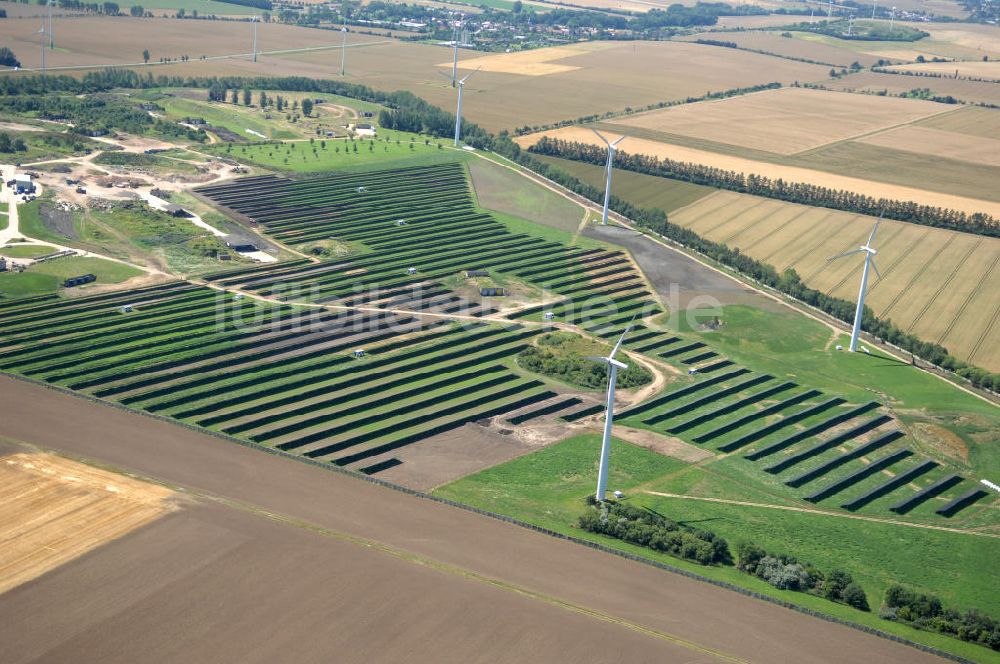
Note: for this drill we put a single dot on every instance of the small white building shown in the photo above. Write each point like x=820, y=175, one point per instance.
x=365, y=130
x=23, y=184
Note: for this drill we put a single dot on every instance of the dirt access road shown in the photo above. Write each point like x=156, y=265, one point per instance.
x=465, y=554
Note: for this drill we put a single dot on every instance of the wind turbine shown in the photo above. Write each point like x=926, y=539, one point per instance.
x=458, y=110
x=254, y=50
x=343, y=49
x=613, y=367
x=607, y=185
x=869, y=253
x=52, y=42
x=454, y=61
x=874, y=6
x=42, y=31
x=892, y=18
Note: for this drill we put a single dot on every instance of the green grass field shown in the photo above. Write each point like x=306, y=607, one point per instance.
x=645, y=190
x=25, y=251
x=203, y=7
x=48, y=277
x=389, y=150
x=236, y=118
x=499, y=189
x=547, y=488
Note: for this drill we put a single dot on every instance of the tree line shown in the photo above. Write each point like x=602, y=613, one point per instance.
x=759, y=185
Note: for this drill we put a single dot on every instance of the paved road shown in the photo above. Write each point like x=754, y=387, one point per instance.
x=704, y=622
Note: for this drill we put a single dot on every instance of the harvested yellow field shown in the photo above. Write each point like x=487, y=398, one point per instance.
x=971, y=120
x=939, y=143
x=989, y=70
x=787, y=173
x=785, y=121
x=53, y=510
x=979, y=92
x=537, y=62
x=937, y=284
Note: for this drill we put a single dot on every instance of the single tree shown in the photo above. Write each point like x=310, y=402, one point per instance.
x=246, y=97
x=145, y=55
x=307, y=107
x=7, y=58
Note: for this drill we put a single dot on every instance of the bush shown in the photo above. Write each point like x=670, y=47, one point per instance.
x=787, y=573
x=646, y=528
x=854, y=596
x=926, y=612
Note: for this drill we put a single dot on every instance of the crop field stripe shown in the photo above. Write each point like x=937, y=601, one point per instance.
x=815, y=430
x=965, y=303
x=858, y=475
x=820, y=447
x=764, y=412
x=448, y=426
x=968, y=498
x=890, y=485
x=943, y=285
x=683, y=392
x=753, y=436
x=939, y=487
x=731, y=407
x=434, y=403
x=708, y=398
x=858, y=452
x=545, y=410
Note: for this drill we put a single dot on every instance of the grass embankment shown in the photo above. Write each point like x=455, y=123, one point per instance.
x=391, y=149
x=502, y=190
x=25, y=250
x=645, y=190
x=48, y=277
x=548, y=487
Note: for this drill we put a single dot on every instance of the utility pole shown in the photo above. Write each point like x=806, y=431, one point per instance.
x=254, y=49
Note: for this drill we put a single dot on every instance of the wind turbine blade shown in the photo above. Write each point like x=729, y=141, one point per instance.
x=603, y=360
x=468, y=76
x=846, y=253
x=621, y=339
x=875, y=267
x=871, y=238
x=620, y=365
x=600, y=136
x=620, y=139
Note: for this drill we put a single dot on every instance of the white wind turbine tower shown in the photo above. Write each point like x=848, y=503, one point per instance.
x=613, y=367
x=869, y=253
x=343, y=49
x=52, y=42
x=454, y=61
x=43, y=32
x=874, y=6
x=253, y=50
x=458, y=110
x=612, y=146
